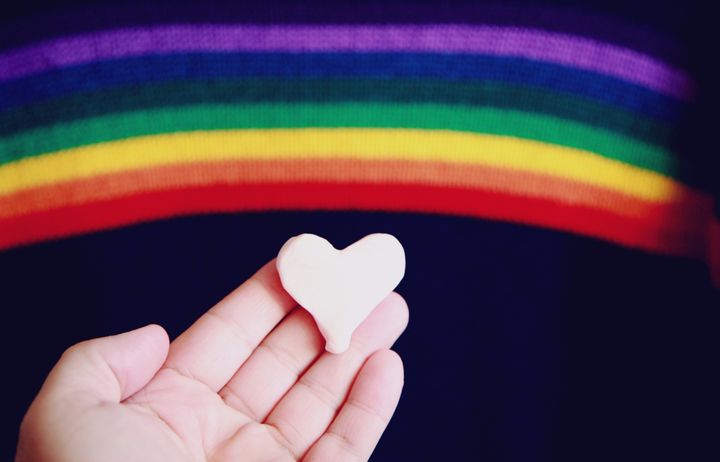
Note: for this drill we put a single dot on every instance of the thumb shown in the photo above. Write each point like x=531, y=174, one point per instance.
x=89, y=375
x=109, y=369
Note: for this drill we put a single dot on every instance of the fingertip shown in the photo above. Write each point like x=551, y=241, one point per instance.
x=383, y=326
x=111, y=368
x=152, y=339
x=387, y=366
x=393, y=357
x=136, y=356
x=158, y=334
x=400, y=305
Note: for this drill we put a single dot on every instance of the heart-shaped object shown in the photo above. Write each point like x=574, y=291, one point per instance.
x=340, y=287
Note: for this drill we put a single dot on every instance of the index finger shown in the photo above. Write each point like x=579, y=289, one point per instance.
x=220, y=341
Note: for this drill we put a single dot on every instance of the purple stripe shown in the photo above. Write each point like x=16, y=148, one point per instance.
x=645, y=36
x=577, y=52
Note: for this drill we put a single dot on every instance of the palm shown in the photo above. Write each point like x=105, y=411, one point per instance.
x=241, y=385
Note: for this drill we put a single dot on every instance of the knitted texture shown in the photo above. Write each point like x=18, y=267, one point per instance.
x=474, y=115
x=551, y=170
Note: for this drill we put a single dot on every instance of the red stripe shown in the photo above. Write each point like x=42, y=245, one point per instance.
x=582, y=220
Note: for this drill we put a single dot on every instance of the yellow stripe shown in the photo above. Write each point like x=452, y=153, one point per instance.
x=444, y=146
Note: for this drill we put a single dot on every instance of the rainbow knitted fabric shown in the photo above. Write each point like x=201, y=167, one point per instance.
x=566, y=123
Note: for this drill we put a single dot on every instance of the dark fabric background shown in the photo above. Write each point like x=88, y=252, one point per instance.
x=524, y=344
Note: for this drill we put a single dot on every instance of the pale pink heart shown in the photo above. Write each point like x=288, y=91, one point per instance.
x=340, y=288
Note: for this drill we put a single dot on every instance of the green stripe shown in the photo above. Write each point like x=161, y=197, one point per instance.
x=266, y=90
x=260, y=116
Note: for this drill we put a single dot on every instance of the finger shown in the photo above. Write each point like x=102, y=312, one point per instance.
x=362, y=420
x=274, y=366
x=304, y=414
x=217, y=344
x=109, y=369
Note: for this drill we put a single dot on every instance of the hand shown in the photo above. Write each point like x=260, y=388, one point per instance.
x=249, y=381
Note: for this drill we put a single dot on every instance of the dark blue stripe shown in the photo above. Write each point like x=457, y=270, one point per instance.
x=453, y=67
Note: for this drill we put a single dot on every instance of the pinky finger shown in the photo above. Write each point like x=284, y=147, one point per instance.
x=356, y=430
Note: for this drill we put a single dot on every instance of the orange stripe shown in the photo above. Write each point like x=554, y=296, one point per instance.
x=688, y=212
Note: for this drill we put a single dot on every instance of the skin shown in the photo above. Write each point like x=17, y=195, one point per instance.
x=248, y=381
